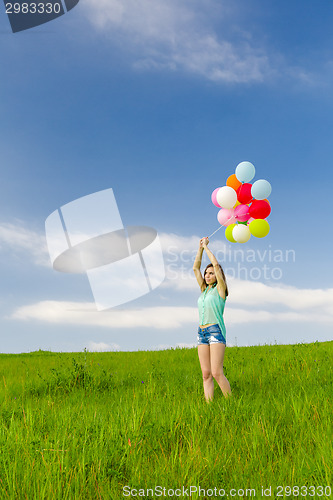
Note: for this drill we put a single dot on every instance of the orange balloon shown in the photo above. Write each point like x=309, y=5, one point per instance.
x=233, y=182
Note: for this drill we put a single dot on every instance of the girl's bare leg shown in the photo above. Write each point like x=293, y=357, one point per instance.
x=208, y=382
x=216, y=363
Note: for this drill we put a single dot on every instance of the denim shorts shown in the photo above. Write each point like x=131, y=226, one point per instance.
x=210, y=335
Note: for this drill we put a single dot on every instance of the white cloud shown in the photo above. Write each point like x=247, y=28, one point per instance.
x=85, y=314
x=181, y=35
x=74, y=313
x=254, y=293
x=238, y=316
x=179, y=255
x=186, y=247
x=172, y=242
x=248, y=301
x=101, y=347
x=19, y=239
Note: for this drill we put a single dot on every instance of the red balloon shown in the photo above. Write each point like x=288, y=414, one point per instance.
x=244, y=193
x=260, y=209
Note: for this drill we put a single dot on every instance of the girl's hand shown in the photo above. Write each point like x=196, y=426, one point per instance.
x=204, y=242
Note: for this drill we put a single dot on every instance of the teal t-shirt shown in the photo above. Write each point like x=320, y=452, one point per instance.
x=211, y=308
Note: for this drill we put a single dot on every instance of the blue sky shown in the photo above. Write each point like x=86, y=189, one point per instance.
x=160, y=102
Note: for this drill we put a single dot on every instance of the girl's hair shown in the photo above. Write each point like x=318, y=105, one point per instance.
x=223, y=276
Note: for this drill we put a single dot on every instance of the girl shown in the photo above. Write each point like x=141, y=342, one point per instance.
x=211, y=332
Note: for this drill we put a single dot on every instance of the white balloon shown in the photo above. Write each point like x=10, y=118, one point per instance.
x=261, y=189
x=226, y=197
x=241, y=233
x=245, y=171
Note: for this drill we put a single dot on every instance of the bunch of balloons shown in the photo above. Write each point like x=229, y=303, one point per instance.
x=244, y=206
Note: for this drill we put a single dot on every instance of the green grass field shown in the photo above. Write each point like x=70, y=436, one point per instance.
x=85, y=425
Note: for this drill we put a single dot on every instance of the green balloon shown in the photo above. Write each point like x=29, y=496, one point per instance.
x=228, y=233
x=259, y=228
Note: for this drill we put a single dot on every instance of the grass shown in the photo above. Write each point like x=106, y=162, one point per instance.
x=84, y=425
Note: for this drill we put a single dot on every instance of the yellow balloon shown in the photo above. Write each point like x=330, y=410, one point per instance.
x=228, y=233
x=239, y=203
x=259, y=228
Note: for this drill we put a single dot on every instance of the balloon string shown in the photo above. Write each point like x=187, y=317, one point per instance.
x=221, y=227
x=215, y=231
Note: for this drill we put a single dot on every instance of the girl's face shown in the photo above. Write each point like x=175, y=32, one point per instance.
x=210, y=276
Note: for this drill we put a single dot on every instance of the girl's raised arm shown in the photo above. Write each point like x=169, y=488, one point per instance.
x=221, y=286
x=197, y=265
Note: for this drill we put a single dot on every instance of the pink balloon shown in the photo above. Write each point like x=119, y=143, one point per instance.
x=242, y=213
x=226, y=216
x=250, y=220
x=214, y=197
